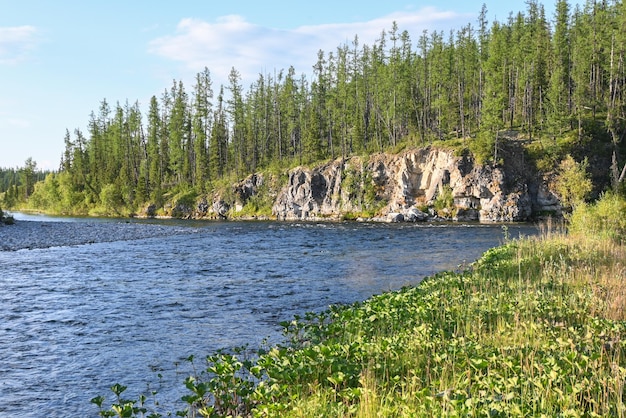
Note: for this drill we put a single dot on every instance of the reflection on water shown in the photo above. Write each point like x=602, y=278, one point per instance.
x=75, y=320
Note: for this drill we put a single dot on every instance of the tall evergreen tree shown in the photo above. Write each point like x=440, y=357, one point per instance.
x=155, y=163
x=560, y=85
x=203, y=95
x=28, y=177
x=218, y=145
x=237, y=121
x=178, y=130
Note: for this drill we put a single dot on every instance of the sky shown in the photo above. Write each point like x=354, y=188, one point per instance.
x=60, y=59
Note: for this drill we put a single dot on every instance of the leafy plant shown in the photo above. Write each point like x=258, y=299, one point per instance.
x=123, y=408
x=603, y=219
x=573, y=184
x=444, y=202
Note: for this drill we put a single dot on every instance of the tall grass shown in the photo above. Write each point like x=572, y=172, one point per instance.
x=534, y=328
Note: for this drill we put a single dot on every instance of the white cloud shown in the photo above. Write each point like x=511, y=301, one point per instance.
x=16, y=42
x=231, y=41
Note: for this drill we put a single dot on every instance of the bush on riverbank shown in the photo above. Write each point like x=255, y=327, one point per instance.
x=535, y=327
x=607, y=219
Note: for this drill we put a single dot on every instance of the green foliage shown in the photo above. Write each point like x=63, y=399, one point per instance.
x=183, y=202
x=604, y=219
x=444, y=202
x=17, y=185
x=111, y=198
x=122, y=408
x=260, y=204
x=520, y=75
x=572, y=183
x=360, y=191
x=546, y=153
x=351, y=183
x=46, y=194
x=482, y=147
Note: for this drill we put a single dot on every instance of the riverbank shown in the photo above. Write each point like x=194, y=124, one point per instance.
x=534, y=327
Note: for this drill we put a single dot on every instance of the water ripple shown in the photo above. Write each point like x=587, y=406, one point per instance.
x=133, y=301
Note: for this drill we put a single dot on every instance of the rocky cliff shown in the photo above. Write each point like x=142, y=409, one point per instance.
x=417, y=185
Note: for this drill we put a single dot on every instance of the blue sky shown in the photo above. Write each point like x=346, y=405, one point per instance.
x=60, y=59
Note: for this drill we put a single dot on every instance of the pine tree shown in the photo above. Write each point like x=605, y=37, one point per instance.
x=178, y=129
x=560, y=85
x=218, y=145
x=155, y=172
x=236, y=112
x=27, y=175
x=201, y=127
x=164, y=137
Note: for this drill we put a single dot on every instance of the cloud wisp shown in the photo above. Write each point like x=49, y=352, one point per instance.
x=16, y=42
x=232, y=41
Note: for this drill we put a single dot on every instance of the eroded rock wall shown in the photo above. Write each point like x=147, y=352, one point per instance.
x=409, y=184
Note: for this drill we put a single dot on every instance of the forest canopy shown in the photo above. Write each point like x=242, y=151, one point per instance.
x=545, y=78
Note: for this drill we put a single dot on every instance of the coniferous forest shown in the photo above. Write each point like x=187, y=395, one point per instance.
x=544, y=77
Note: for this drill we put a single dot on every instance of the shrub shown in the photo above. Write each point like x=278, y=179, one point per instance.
x=482, y=147
x=605, y=219
x=111, y=198
x=573, y=183
x=444, y=203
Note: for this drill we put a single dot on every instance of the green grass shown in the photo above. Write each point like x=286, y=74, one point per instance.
x=533, y=328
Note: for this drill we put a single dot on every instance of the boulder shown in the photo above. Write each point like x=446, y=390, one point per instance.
x=202, y=208
x=247, y=188
x=415, y=215
x=221, y=208
x=395, y=217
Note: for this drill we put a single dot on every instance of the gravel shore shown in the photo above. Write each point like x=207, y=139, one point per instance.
x=35, y=234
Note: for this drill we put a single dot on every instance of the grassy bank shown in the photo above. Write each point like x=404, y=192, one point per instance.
x=534, y=328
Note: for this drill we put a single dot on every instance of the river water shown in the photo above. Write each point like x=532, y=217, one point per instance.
x=129, y=308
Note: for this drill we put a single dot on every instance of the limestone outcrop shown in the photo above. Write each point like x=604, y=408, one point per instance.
x=417, y=185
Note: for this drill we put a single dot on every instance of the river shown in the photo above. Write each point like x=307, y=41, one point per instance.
x=91, y=309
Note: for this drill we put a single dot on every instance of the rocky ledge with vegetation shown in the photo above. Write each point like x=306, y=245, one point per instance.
x=443, y=182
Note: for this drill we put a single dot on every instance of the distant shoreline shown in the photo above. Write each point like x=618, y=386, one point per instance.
x=28, y=234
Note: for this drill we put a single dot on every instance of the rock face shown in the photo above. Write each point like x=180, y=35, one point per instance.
x=247, y=188
x=409, y=184
x=312, y=194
